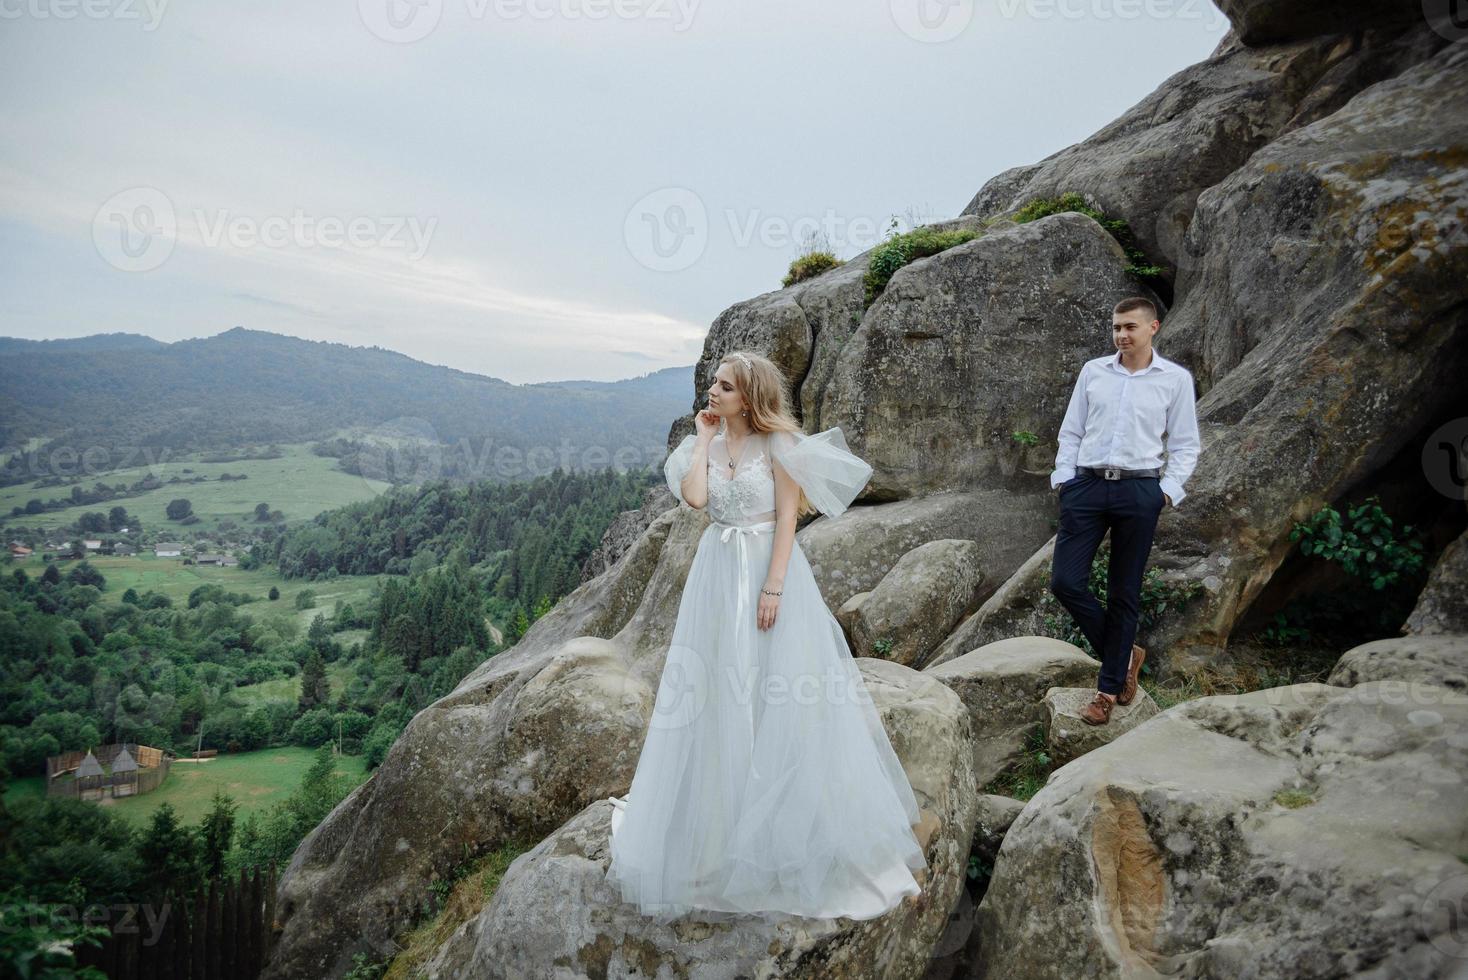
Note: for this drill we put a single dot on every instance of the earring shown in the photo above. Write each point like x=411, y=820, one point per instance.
x=744, y=412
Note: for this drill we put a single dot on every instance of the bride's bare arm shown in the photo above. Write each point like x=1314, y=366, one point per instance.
x=695, y=485
x=787, y=498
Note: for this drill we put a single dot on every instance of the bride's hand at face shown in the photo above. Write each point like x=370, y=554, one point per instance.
x=706, y=423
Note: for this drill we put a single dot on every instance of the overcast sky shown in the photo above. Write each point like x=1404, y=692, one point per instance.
x=533, y=189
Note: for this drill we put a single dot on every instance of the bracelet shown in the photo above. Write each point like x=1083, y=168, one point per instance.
x=768, y=592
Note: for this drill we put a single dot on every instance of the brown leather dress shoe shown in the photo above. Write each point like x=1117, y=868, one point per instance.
x=1133, y=671
x=1097, y=711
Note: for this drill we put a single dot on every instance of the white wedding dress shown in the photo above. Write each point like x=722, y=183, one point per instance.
x=766, y=783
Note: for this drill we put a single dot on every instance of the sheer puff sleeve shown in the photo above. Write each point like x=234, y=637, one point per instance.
x=675, y=468
x=829, y=473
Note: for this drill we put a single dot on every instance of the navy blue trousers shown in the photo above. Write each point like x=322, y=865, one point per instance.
x=1089, y=506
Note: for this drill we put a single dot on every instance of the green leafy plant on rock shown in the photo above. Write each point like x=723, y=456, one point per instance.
x=1118, y=228
x=1365, y=542
x=899, y=250
x=809, y=266
x=1386, y=561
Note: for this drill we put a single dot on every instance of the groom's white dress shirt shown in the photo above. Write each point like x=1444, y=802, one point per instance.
x=1118, y=418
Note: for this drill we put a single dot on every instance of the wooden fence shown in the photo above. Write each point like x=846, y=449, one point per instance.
x=222, y=934
x=61, y=778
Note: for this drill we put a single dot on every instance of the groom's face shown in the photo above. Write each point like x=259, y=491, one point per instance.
x=1132, y=330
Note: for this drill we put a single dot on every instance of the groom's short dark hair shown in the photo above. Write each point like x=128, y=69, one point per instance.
x=1137, y=303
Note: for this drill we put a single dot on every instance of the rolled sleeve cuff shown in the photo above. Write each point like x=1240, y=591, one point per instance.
x=1173, y=489
x=1061, y=474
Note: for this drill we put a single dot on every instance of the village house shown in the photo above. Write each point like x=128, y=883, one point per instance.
x=225, y=561
x=18, y=550
x=92, y=544
x=168, y=549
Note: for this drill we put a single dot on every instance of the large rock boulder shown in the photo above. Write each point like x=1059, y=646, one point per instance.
x=1437, y=659
x=996, y=815
x=626, y=531
x=1003, y=686
x=1068, y=736
x=1017, y=608
x=925, y=594
x=932, y=388
x=1272, y=21
x=856, y=551
x=555, y=914
x=1205, y=121
x=1308, y=832
x=1443, y=605
x=802, y=328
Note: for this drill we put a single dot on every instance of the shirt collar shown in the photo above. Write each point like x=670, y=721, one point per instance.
x=1156, y=364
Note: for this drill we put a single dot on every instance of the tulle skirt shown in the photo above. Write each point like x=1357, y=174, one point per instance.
x=766, y=785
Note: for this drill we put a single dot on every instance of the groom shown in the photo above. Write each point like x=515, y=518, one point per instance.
x=1108, y=469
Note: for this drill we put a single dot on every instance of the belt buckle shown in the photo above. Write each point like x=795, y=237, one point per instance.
x=1112, y=473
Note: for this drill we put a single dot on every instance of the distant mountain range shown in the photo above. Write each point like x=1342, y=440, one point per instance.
x=115, y=393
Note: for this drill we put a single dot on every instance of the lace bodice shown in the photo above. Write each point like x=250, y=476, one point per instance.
x=821, y=465
x=748, y=497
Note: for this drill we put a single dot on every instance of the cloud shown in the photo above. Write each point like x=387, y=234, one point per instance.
x=518, y=144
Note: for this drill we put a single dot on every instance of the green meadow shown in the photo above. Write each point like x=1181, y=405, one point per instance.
x=255, y=780
x=289, y=688
x=299, y=484
x=176, y=580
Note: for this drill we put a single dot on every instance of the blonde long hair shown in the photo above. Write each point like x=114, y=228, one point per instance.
x=766, y=391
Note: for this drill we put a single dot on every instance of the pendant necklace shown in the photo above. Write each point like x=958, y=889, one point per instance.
x=733, y=464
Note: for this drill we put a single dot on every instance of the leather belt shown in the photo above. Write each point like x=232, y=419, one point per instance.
x=1116, y=473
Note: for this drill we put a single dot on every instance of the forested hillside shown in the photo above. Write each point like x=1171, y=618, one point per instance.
x=111, y=394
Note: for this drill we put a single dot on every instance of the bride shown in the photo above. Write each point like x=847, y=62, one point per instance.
x=766, y=782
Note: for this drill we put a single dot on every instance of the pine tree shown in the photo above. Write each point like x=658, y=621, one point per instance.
x=168, y=853
x=217, y=832
x=321, y=789
x=315, y=688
